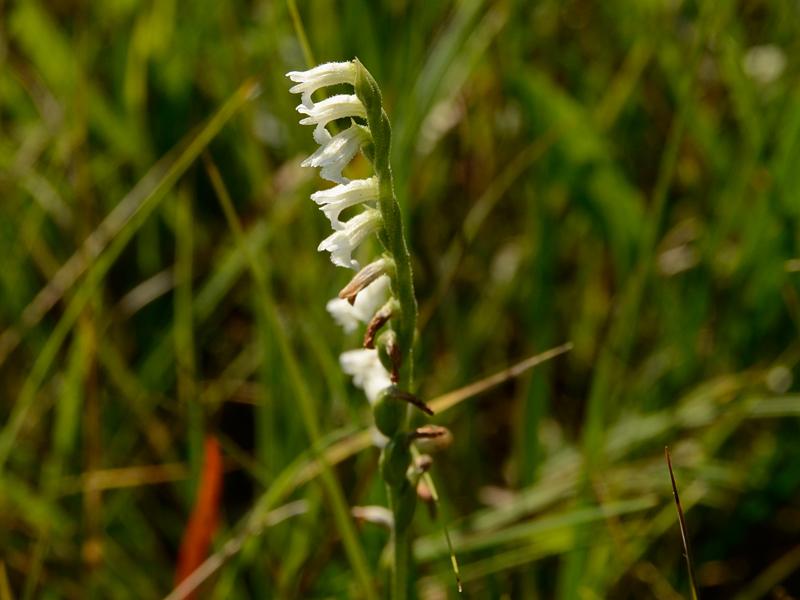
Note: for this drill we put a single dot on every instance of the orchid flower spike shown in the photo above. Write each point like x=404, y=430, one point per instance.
x=381, y=295
x=335, y=152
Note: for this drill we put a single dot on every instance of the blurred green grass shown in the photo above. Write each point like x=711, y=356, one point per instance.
x=621, y=175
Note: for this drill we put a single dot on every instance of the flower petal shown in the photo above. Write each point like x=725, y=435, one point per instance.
x=342, y=243
x=336, y=199
x=367, y=302
x=367, y=372
x=323, y=75
x=336, y=153
x=330, y=109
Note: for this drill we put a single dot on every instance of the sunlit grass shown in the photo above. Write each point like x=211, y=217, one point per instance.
x=618, y=176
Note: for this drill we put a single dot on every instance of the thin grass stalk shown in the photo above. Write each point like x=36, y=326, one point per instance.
x=103, y=263
x=300, y=32
x=616, y=352
x=331, y=485
x=682, y=523
x=306, y=467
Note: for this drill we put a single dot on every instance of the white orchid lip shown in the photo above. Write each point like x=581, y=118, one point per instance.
x=335, y=107
x=371, y=298
x=332, y=73
x=336, y=153
x=342, y=243
x=330, y=109
x=336, y=199
x=367, y=372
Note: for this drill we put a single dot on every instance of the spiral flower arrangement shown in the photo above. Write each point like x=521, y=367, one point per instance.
x=381, y=294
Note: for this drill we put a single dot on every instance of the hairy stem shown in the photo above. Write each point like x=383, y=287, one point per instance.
x=405, y=320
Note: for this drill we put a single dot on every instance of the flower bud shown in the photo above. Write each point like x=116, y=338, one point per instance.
x=389, y=353
x=432, y=438
x=389, y=409
x=419, y=466
x=389, y=412
x=424, y=493
x=395, y=458
x=423, y=463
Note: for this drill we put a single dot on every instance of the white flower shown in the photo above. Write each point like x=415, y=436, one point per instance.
x=342, y=243
x=336, y=199
x=336, y=153
x=331, y=73
x=367, y=372
x=330, y=109
x=764, y=63
x=369, y=300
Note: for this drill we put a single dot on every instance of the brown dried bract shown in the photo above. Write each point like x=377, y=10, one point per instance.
x=378, y=320
x=363, y=278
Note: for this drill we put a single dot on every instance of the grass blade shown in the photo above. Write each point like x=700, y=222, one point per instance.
x=307, y=409
x=682, y=522
x=104, y=261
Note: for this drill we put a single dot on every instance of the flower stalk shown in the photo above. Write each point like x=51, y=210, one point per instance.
x=383, y=368
x=393, y=236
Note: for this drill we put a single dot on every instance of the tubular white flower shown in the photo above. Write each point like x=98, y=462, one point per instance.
x=367, y=372
x=342, y=243
x=336, y=199
x=336, y=153
x=330, y=109
x=331, y=73
x=370, y=299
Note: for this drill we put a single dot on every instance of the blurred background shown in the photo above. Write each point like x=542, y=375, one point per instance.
x=621, y=175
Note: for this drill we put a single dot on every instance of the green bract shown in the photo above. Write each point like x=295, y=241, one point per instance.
x=395, y=460
x=389, y=412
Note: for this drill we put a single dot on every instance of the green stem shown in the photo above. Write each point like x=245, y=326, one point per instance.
x=400, y=541
x=407, y=318
x=405, y=322
x=393, y=235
